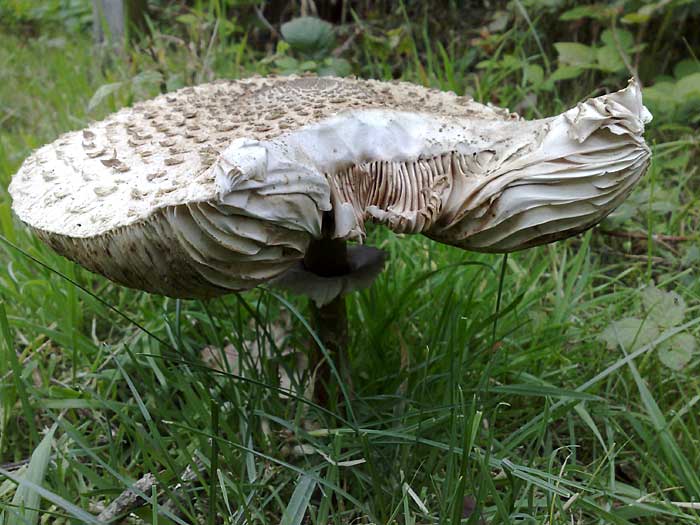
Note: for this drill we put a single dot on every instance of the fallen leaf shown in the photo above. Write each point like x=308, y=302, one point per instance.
x=677, y=351
x=666, y=309
x=630, y=333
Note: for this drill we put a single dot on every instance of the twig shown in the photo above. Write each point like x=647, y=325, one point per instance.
x=646, y=258
x=644, y=235
x=9, y=113
x=268, y=25
x=15, y=465
x=623, y=54
x=158, y=65
x=663, y=240
x=188, y=476
x=31, y=355
x=342, y=48
x=128, y=500
x=207, y=55
x=308, y=7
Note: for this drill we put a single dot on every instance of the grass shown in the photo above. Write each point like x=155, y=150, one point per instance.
x=525, y=415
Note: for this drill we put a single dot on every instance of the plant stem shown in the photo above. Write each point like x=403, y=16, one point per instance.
x=328, y=258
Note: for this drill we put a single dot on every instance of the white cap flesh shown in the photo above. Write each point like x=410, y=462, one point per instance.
x=222, y=186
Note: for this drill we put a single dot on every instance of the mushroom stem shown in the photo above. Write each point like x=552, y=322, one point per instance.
x=329, y=258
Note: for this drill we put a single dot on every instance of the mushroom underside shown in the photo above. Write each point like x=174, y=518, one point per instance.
x=467, y=176
x=205, y=249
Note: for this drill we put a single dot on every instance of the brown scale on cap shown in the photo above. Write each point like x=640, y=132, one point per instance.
x=197, y=123
x=261, y=108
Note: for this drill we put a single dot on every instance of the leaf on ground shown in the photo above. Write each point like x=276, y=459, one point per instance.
x=630, y=333
x=677, y=351
x=666, y=309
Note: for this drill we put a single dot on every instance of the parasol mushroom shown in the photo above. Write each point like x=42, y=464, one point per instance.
x=228, y=185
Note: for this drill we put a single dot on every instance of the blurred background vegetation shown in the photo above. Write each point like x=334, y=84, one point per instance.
x=542, y=46
x=539, y=418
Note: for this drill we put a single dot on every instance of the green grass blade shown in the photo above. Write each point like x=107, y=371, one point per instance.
x=57, y=500
x=25, y=497
x=669, y=447
x=299, y=502
x=16, y=369
x=86, y=291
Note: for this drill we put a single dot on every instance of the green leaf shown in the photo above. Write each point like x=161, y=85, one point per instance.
x=26, y=499
x=499, y=21
x=575, y=54
x=686, y=67
x=677, y=351
x=609, y=59
x=562, y=73
x=623, y=213
x=595, y=11
x=309, y=35
x=661, y=98
x=644, y=13
x=299, y=502
x=507, y=63
x=630, y=333
x=282, y=47
x=534, y=74
x=691, y=255
x=616, y=37
x=666, y=309
x=688, y=87
x=287, y=64
x=636, y=18
x=338, y=67
x=188, y=19
x=308, y=65
x=7, y=226
x=510, y=62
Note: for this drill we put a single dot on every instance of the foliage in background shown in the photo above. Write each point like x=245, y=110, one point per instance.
x=31, y=17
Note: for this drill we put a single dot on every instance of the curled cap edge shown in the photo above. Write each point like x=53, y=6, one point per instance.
x=622, y=112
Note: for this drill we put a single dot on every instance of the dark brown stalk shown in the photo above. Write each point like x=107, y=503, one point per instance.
x=328, y=258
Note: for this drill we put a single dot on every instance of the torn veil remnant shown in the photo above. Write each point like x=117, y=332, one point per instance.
x=223, y=186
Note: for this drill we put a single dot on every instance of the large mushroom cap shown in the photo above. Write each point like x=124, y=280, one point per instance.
x=222, y=186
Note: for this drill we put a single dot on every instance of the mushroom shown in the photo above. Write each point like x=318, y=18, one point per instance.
x=228, y=185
